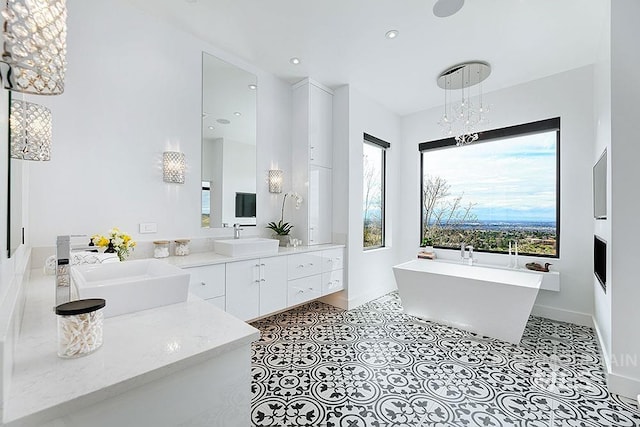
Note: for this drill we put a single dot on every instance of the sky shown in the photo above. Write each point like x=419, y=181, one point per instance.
x=511, y=179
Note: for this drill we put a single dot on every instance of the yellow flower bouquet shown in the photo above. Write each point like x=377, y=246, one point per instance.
x=115, y=241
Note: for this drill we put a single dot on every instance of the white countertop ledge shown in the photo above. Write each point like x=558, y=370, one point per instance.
x=200, y=259
x=138, y=348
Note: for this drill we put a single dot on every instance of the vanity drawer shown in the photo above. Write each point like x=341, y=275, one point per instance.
x=304, y=289
x=207, y=281
x=332, y=281
x=302, y=265
x=332, y=259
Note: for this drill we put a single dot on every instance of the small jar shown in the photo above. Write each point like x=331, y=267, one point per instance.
x=80, y=327
x=182, y=247
x=161, y=249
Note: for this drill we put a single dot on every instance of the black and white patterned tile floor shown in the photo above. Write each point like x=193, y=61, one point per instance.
x=374, y=366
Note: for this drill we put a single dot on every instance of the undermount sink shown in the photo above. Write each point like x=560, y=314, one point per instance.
x=132, y=285
x=246, y=247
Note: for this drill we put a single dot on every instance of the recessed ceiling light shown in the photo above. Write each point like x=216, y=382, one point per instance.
x=392, y=34
x=444, y=8
x=253, y=87
x=294, y=60
x=211, y=128
x=237, y=113
x=223, y=121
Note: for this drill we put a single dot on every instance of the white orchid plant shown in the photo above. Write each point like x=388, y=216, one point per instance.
x=282, y=228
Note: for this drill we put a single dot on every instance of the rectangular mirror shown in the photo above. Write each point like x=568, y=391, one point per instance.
x=228, y=182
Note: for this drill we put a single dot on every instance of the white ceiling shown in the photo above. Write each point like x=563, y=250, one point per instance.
x=343, y=41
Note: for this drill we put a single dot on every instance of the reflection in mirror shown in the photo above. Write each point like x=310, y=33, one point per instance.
x=228, y=144
x=15, y=232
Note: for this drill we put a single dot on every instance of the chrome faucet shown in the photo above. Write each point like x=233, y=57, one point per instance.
x=63, y=263
x=236, y=230
x=470, y=259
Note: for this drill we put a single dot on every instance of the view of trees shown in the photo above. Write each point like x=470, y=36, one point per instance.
x=372, y=196
x=449, y=221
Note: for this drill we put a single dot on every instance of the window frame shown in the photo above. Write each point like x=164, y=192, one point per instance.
x=384, y=146
x=552, y=124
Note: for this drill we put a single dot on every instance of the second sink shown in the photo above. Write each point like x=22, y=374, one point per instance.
x=246, y=247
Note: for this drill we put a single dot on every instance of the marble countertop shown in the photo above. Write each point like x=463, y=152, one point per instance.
x=209, y=258
x=138, y=348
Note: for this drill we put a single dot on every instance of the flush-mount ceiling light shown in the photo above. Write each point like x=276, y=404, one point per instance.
x=253, y=87
x=223, y=121
x=237, y=113
x=444, y=8
x=392, y=34
x=35, y=46
x=211, y=128
x=294, y=60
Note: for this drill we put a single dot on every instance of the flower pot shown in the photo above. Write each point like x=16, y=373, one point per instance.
x=283, y=238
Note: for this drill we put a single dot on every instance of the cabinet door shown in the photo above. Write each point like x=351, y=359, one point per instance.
x=320, y=127
x=243, y=289
x=320, y=205
x=207, y=281
x=273, y=284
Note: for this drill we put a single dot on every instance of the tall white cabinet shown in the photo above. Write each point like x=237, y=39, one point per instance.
x=312, y=157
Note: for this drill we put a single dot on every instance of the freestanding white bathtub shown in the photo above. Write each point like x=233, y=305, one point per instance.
x=488, y=301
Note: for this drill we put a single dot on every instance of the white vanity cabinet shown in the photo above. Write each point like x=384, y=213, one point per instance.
x=312, y=157
x=208, y=282
x=256, y=287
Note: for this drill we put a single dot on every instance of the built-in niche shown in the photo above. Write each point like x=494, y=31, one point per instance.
x=600, y=261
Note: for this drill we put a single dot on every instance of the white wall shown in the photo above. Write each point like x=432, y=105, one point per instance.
x=369, y=272
x=133, y=90
x=602, y=228
x=625, y=233
x=570, y=96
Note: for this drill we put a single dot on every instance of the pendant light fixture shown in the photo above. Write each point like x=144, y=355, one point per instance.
x=464, y=111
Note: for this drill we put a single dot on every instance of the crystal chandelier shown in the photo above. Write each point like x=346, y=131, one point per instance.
x=463, y=114
x=35, y=46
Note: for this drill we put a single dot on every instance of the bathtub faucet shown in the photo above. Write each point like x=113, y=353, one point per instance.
x=470, y=259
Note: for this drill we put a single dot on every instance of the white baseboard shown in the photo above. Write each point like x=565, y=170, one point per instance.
x=624, y=386
x=616, y=383
x=562, y=315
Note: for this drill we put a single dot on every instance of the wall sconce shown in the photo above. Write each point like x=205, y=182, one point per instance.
x=30, y=126
x=173, y=167
x=276, y=176
x=35, y=46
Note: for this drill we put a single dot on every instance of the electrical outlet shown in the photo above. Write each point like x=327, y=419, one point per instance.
x=148, y=227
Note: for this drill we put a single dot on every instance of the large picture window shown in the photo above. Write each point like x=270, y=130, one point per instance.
x=373, y=174
x=503, y=188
